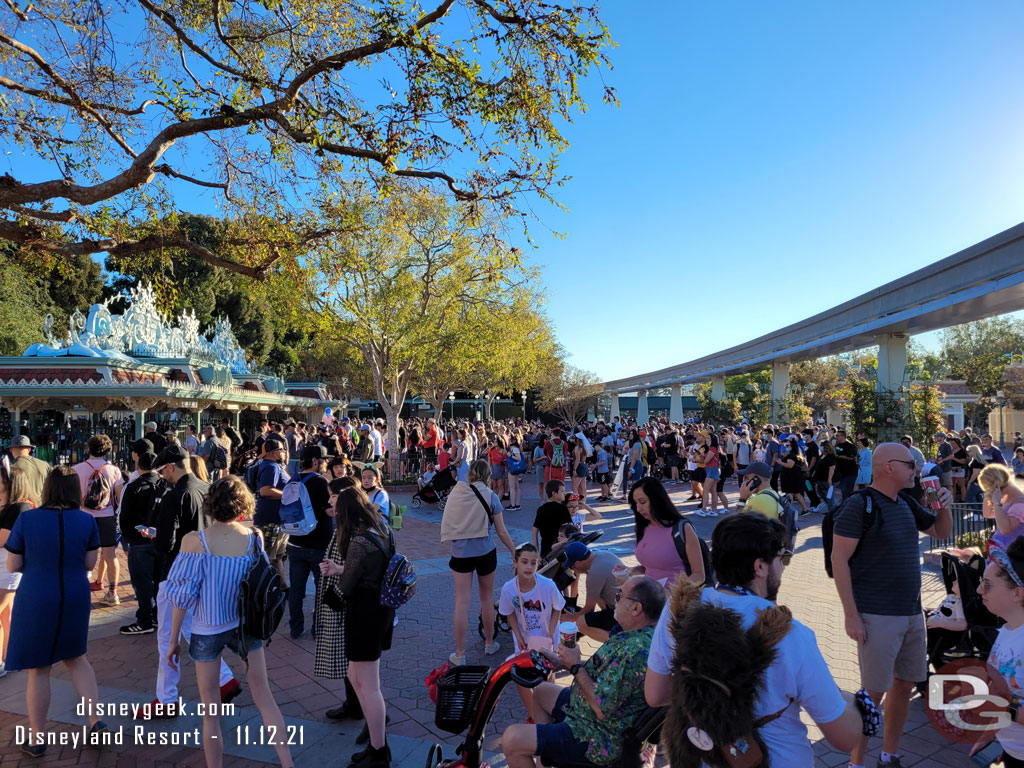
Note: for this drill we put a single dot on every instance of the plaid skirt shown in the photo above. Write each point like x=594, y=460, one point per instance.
x=331, y=661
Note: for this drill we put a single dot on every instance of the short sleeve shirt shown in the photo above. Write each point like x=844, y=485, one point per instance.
x=85, y=470
x=886, y=569
x=799, y=675
x=269, y=510
x=600, y=583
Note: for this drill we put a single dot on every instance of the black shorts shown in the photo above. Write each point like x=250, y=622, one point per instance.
x=108, y=530
x=698, y=475
x=483, y=565
x=672, y=460
x=604, y=619
x=604, y=478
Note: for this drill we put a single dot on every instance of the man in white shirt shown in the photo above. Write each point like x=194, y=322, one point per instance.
x=749, y=555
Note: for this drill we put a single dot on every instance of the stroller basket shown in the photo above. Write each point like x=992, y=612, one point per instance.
x=458, y=694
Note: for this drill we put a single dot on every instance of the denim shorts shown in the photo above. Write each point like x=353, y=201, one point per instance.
x=555, y=743
x=713, y=473
x=209, y=647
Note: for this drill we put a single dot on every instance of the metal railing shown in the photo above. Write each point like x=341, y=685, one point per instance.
x=969, y=527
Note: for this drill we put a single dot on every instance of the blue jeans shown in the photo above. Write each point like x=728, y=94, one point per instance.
x=846, y=485
x=301, y=562
x=143, y=562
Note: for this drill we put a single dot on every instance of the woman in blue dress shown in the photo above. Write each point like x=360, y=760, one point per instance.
x=54, y=548
x=864, y=464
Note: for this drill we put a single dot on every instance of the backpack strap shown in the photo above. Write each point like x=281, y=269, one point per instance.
x=487, y=507
x=679, y=539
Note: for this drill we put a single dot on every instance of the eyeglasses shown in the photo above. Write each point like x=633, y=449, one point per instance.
x=909, y=464
x=620, y=596
x=786, y=555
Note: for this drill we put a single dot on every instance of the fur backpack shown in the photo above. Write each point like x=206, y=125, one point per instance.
x=719, y=667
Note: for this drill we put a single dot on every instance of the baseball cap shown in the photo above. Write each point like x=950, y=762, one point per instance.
x=575, y=552
x=344, y=419
x=142, y=446
x=364, y=428
x=151, y=426
x=313, y=452
x=272, y=444
x=758, y=468
x=21, y=441
x=172, y=454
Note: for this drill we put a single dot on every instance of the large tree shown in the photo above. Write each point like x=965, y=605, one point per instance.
x=126, y=112
x=568, y=392
x=391, y=287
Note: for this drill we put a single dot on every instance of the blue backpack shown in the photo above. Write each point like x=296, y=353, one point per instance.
x=297, y=515
x=399, y=584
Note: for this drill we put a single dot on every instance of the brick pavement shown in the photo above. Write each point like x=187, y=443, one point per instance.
x=125, y=666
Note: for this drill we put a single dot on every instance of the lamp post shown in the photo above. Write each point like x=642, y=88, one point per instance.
x=451, y=399
x=1002, y=402
x=524, y=404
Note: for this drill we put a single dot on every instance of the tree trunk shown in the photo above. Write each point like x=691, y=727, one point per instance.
x=438, y=404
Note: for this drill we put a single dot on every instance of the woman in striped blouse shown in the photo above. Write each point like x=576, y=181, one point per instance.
x=205, y=580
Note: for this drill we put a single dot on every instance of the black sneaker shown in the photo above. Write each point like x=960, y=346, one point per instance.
x=348, y=711
x=136, y=629
x=34, y=750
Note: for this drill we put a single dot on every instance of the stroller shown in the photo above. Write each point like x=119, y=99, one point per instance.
x=552, y=566
x=982, y=626
x=436, y=491
x=467, y=697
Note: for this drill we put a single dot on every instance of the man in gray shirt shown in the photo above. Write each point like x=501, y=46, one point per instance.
x=877, y=567
x=597, y=617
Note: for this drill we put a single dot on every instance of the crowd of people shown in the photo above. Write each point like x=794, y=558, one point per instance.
x=195, y=512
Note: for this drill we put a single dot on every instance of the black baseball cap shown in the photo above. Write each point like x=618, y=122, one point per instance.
x=172, y=454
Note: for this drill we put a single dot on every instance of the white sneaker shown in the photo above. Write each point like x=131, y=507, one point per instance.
x=3, y=669
x=493, y=648
x=456, y=661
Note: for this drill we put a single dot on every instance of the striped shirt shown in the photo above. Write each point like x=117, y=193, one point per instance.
x=207, y=586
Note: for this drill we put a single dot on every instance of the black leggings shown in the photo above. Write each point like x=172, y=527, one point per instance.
x=1012, y=762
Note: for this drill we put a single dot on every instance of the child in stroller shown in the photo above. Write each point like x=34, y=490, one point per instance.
x=435, y=491
x=961, y=625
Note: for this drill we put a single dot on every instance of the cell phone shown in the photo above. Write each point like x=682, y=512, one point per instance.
x=755, y=482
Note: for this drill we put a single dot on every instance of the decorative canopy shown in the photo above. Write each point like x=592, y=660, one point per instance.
x=142, y=332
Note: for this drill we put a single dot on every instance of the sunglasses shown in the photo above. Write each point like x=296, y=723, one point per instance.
x=909, y=464
x=620, y=596
x=786, y=555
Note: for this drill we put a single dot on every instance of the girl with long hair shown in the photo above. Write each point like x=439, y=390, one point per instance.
x=366, y=546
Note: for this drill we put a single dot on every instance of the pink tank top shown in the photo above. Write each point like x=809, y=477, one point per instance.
x=657, y=553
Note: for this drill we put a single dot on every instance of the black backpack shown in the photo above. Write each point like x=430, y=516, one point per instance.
x=679, y=539
x=828, y=525
x=218, y=457
x=261, y=600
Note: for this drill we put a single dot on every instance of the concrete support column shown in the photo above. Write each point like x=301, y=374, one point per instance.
x=615, y=406
x=16, y=426
x=780, y=383
x=675, y=408
x=642, y=414
x=892, y=361
x=140, y=421
x=591, y=414
x=718, y=388
x=238, y=421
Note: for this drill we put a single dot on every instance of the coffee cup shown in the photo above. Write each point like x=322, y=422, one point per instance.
x=567, y=634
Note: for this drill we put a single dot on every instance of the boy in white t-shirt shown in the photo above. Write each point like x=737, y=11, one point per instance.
x=532, y=604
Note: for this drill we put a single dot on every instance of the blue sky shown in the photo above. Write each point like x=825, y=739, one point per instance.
x=769, y=161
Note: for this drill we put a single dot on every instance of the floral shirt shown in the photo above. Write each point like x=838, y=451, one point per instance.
x=618, y=670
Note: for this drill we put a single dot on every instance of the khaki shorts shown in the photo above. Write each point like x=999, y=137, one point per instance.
x=896, y=647
x=275, y=541
x=947, y=479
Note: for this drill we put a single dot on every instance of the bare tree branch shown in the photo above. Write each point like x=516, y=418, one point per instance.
x=56, y=98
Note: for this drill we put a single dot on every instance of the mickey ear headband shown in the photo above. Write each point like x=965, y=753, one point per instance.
x=1000, y=557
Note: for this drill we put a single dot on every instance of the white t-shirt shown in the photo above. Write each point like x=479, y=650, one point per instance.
x=1007, y=657
x=799, y=672
x=381, y=499
x=538, y=605
x=378, y=442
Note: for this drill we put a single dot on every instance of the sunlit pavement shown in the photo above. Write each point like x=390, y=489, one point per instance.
x=126, y=666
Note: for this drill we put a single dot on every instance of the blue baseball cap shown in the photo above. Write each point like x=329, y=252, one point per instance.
x=575, y=552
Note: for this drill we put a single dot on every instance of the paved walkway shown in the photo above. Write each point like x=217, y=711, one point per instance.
x=125, y=668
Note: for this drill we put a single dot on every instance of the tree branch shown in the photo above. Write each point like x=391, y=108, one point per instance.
x=56, y=98
x=36, y=238
x=65, y=86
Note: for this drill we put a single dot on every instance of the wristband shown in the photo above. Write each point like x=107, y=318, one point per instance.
x=574, y=669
